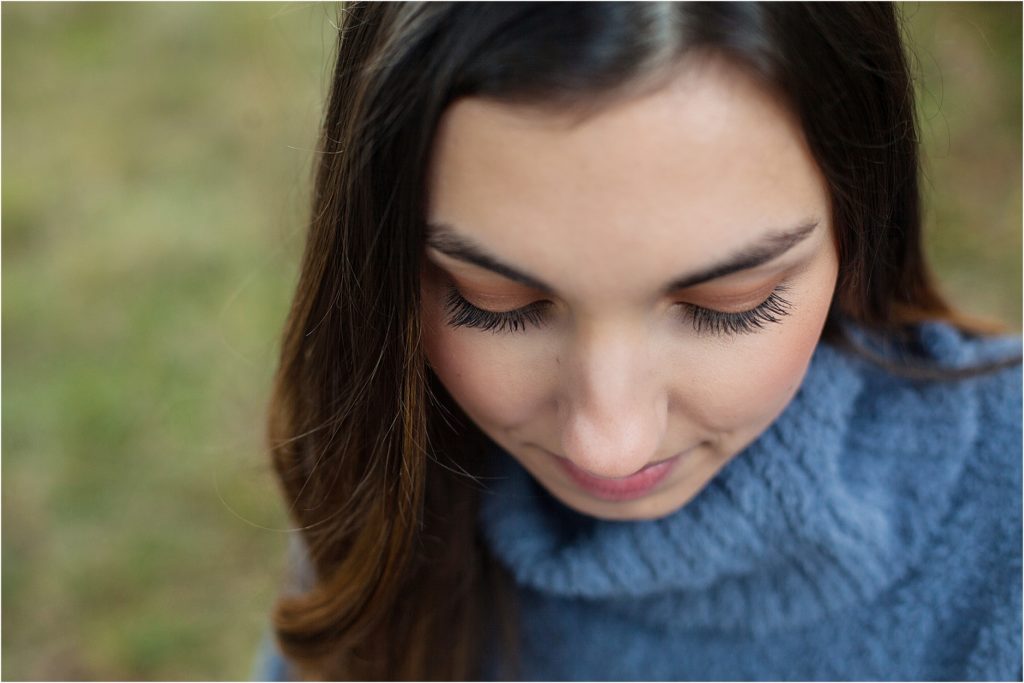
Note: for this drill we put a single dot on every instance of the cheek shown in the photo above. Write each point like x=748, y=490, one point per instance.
x=761, y=385
x=489, y=379
x=746, y=393
x=750, y=381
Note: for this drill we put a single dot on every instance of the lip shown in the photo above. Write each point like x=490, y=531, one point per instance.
x=634, y=486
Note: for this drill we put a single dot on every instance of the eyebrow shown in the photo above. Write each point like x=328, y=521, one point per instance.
x=447, y=240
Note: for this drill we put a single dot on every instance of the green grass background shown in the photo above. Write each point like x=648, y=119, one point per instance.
x=155, y=174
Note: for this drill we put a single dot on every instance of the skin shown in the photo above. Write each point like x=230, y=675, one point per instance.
x=606, y=212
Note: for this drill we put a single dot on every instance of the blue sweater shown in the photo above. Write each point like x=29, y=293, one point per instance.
x=872, y=532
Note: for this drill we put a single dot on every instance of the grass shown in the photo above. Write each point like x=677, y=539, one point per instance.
x=968, y=59
x=155, y=176
x=155, y=166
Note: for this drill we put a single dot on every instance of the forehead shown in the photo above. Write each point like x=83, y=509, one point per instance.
x=643, y=188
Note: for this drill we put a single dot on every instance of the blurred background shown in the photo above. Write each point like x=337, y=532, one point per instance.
x=155, y=170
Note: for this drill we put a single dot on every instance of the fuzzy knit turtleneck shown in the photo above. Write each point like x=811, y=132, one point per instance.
x=872, y=532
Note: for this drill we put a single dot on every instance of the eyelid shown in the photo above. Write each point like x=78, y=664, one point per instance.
x=453, y=276
x=730, y=303
x=771, y=309
x=497, y=303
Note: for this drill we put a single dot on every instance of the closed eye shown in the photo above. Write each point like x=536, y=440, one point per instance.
x=461, y=313
x=711, y=321
x=464, y=314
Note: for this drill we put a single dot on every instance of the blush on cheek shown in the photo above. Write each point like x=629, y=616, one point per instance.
x=481, y=378
x=777, y=379
x=749, y=390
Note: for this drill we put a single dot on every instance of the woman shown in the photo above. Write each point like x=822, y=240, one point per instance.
x=614, y=354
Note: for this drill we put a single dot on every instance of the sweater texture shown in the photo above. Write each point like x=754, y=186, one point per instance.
x=872, y=532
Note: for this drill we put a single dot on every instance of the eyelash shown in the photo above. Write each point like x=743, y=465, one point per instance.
x=705, y=320
x=771, y=310
x=466, y=314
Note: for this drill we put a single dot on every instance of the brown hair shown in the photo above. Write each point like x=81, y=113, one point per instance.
x=375, y=460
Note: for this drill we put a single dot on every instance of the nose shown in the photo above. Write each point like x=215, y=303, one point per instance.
x=613, y=407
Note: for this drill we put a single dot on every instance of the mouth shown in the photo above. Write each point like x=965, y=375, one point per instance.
x=636, y=485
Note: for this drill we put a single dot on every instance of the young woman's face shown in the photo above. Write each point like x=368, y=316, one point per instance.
x=644, y=287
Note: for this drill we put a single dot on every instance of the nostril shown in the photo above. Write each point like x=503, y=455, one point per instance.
x=610, y=461
x=614, y=434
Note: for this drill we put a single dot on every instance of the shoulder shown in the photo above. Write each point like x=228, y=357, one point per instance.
x=994, y=392
x=940, y=374
x=938, y=358
x=961, y=439
x=943, y=398
x=999, y=391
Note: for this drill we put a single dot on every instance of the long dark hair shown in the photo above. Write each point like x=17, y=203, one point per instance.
x=371, y=452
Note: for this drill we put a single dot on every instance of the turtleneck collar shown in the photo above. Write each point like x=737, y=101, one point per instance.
x=834, y=502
